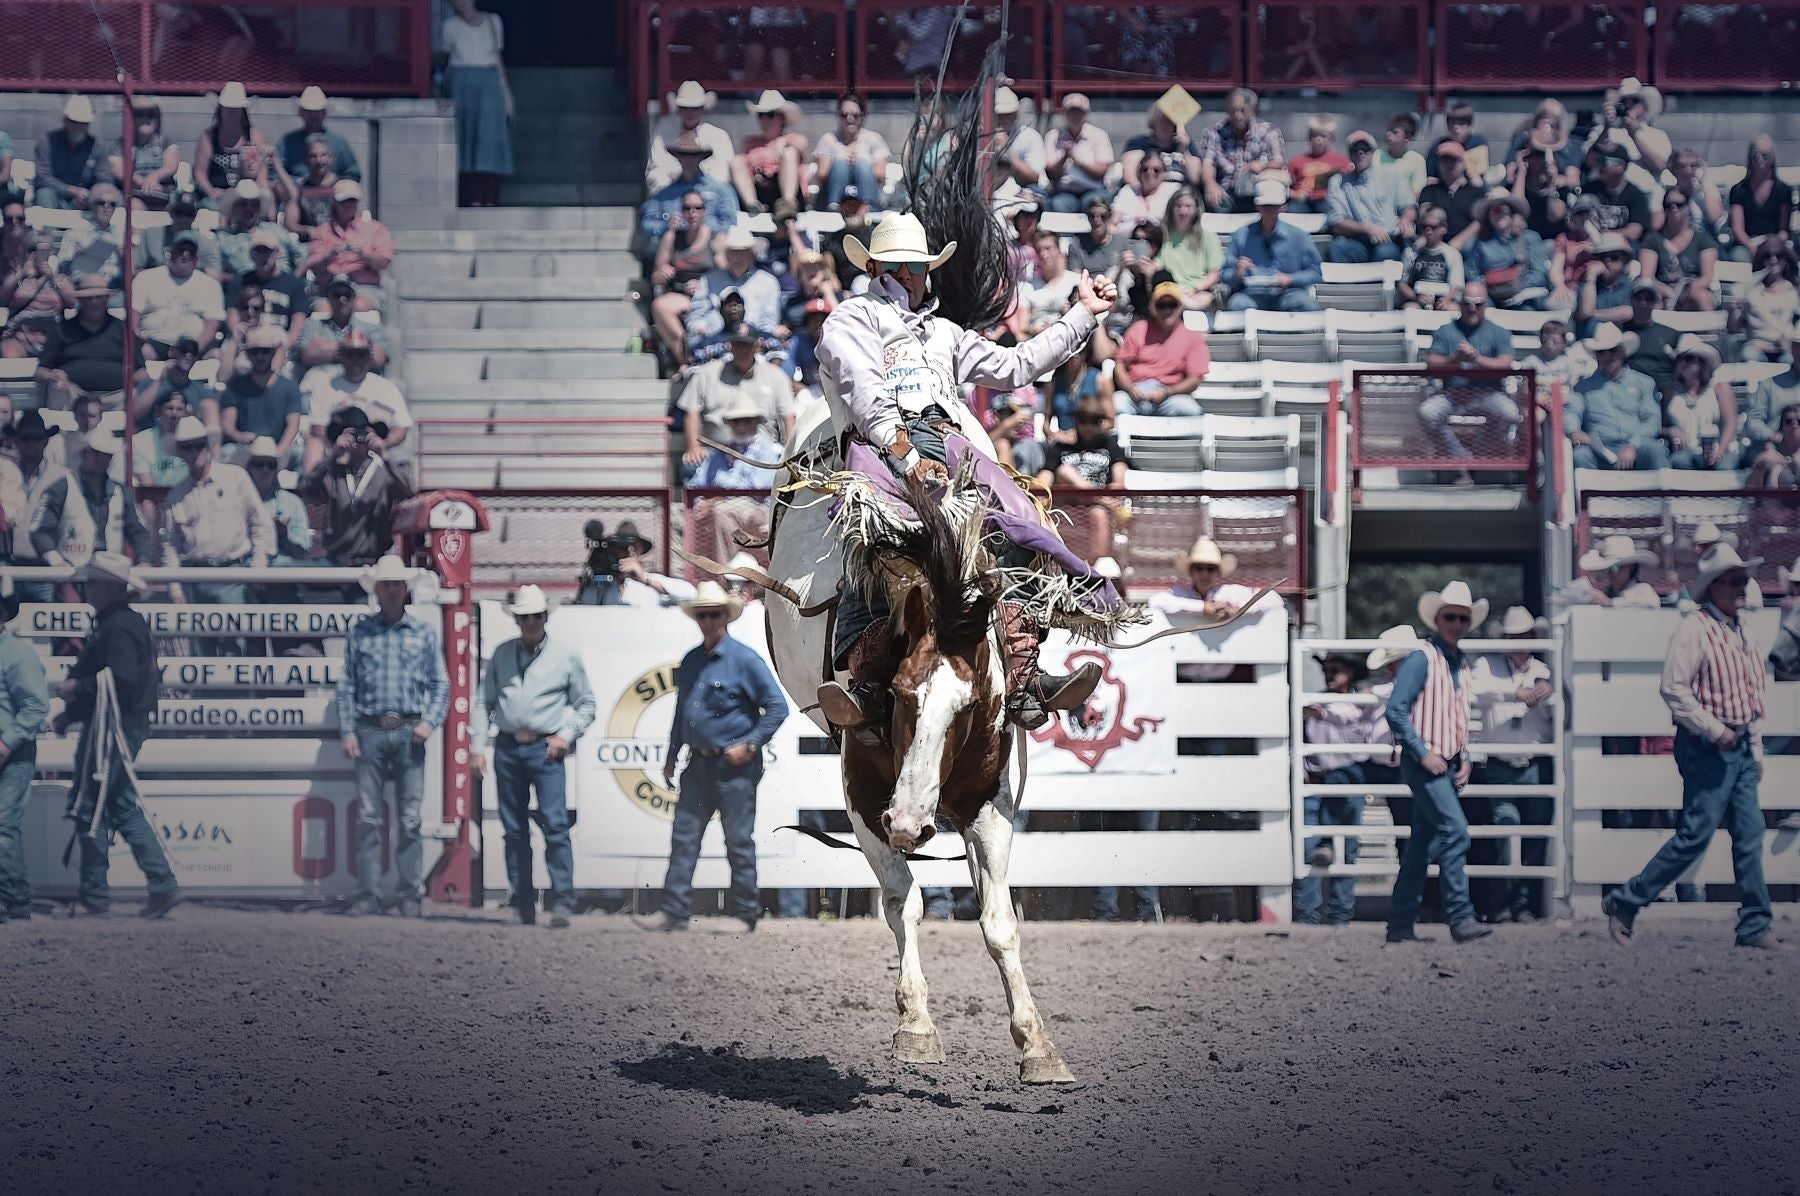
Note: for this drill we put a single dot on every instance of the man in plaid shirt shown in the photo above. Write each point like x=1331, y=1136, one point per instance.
x=1235, y=151
x=392, y=694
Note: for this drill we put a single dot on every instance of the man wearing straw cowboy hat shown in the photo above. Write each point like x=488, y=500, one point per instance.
x=535, y=704
x=111, y=691
x=1514, y=691
x=692, y=158
x=1205, y=590
x=1611, y=577
x=891, y=371
x=1429, y=715
x=727, y=707
x=691, y=103
x=1713, y=681
x=393, y=693
x=1614, y=417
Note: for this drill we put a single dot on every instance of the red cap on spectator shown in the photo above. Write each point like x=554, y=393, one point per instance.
x=817, y=307
x=1450, y=149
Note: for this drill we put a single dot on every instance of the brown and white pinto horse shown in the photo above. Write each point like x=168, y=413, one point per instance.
x=945, y=756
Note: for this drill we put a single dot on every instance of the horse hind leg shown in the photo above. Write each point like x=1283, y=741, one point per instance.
x=989, y=840
x=916, y=1040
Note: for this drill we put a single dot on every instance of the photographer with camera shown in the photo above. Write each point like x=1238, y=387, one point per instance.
x=1625, y=125
x=358, y=486
x=615, y=574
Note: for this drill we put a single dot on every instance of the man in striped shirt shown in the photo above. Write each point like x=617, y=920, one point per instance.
x=392, y=695
x=1429, y=715
x=1713, y=682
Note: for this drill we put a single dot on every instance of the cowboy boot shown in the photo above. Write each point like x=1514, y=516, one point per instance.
x=865, y=707
x=1032, y=693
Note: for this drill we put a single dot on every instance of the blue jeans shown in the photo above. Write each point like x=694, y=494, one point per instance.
x=126, y=817
x=1167, y=406
x=843, y=174
x=1718, y=789
x=50, y=197
x=708, y=787
x=1435, y=412
x=1072, y=201
x=1440, y=832
x=1292, y=299
x=1651, y=456
x=1106, y=897
x=518, y=769
x=1331, y=809
x=385, y=755
x=1351, y=251
x=234, y=593
x=15, y=788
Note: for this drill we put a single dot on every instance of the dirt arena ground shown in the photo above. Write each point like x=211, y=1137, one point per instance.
x=253, y=1051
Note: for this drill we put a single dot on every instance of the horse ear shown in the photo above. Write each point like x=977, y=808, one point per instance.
x=915, y=611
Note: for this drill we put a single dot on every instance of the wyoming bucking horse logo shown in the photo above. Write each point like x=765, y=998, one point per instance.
x=1100, y=724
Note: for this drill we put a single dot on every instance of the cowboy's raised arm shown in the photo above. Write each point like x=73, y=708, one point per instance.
x=850, y=352
x=981, y=361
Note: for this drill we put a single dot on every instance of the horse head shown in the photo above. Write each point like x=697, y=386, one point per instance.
x=949, y=684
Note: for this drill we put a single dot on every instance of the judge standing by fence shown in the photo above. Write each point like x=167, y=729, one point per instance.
x=1713, y=681
x=727, y=707
x=1429, y=715
x=535, y=703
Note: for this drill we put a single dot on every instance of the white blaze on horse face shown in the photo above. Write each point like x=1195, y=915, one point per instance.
x=942, y=697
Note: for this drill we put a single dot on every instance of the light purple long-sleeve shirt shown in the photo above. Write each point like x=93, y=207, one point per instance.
x=850, y=351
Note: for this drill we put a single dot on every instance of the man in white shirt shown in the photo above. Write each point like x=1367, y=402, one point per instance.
x=178, y=300
x=1515, y=693
x=216, y=517
x=1207, y=593
x=1054, y=291
x=1020, y=154
x=692, y=103
x=349, y=383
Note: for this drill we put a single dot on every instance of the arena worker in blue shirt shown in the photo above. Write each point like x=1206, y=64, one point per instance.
x=1270, y=264
x=727, y=707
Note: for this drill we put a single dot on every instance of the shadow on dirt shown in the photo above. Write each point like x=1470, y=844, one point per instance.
x=808, y=1086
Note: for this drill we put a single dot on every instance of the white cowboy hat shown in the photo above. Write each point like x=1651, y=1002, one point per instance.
x=740, y=237
x=1205, y=552
x=1006, y=101
x=1607, y=243
x=1517, y=621
x=1631, y=88
x=710, y=595
x=1271, y=193
x=1790, y=574
x=1455, y=594
x=1708, y=533
x=110, y=566
x=769, y=101
x=1609, y=336
x=742, y=407
x=232, y=96
x=102, y=440
x=1718, y=560
x=389, y=568
x=1692, y=346
x=1498, y=195
x=691, y=95
x=189, y=429
x=79, y=109
x=1615, y=552
x=1397, y=643
x=261, y=449
x=898, y=239
x=313, y=99
x=529, y=600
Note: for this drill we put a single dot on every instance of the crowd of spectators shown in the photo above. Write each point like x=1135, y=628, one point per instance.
x=257, y=293
x=1595, y=220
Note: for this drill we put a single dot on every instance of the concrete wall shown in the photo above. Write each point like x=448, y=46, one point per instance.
x=407, y=148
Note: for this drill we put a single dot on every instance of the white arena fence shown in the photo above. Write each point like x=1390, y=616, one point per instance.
x=243, y=776
x=1145, y=743
x=1624, y=805
x=1381, y=838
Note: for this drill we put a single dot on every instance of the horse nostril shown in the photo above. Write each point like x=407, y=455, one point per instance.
x=887, y=824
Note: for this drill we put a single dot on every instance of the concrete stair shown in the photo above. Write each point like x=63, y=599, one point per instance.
x=574, y=142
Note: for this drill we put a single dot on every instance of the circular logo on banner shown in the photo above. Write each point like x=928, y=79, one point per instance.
x=637, y=763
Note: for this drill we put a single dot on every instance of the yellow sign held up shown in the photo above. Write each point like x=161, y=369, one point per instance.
x=1178, y=106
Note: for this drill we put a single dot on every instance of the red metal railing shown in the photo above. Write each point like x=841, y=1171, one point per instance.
x=1765, y=522
x=799, y=46
x=1711, y=47
x=1304, y=43
x=1107, y=46
x=1541, y=45
x=1398, y=421
x=898, y=41
x=348, y=47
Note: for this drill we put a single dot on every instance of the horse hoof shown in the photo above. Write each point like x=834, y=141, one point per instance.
x=917, y=1048
x=1045, y=1069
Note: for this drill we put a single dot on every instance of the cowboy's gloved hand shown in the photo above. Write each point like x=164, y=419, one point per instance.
x=928, y=473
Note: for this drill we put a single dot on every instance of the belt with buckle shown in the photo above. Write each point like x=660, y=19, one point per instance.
x=391, y=721
x=526, y=737
x=710, y=753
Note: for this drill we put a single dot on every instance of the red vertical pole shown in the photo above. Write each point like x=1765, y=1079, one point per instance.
x=453, y=879
x=1333, y=415
x=126, y=257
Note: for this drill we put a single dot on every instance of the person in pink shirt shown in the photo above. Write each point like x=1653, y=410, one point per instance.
x=1161, y=360
x=352, y=244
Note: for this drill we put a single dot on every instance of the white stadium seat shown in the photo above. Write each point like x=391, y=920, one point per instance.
x=1285, y=335
x=1250, y=479
x=1367, y=286
x=1366, y=335
x=1247, y=374
x=1229, y=400
x=1151, y=479
x=1162, y=443
x=1236, y=443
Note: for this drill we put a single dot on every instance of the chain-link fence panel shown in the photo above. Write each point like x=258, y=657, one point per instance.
x=539, y=538
x=1148, y=533
x=1762, y=523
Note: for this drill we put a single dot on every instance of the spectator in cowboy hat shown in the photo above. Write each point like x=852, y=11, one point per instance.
x=231, y=150
x=1205, y=590
x=759, y=288
x=727, y=708
x=119, y=643
x=743, y=418
x=1611, y=577
x=260, y=401
x=292, y=148
x=1627, y=115
x=1508, y=256
x=1614, y=418
x=69, y=159
x=691, y=103
x=768, y=167
x=293, y=527
x=352, y=244
x=1700, y=417
x=358, y=486
x=535, y=705
x=638, y=585
x=1514, y=691
x=1270, y=264
x=1608, y=294
x=1715, y=685
x=1428, y=713
x=1705, y=536
x=393, y=693
x=85, y=353
x=664, y=205
x=86, y=510
x=244, y=215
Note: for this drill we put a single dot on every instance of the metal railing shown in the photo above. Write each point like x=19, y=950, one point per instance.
x=1414, y=419
x=1766, y=524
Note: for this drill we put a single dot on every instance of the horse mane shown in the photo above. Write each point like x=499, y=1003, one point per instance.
x=951, y=566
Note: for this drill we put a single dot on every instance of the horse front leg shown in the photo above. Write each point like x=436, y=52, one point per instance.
x=916, y=1041
x=989, y=839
